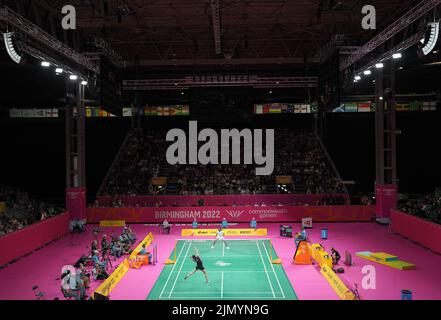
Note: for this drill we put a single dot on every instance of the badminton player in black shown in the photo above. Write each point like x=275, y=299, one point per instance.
x=199, y=267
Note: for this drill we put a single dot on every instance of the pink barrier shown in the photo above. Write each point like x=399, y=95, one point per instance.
x=220, y=200
x=21, y=242
x=233, y=214
x=424, y=232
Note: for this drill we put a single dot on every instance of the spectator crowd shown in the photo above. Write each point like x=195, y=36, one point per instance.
x=21, y=210
x=297, y=154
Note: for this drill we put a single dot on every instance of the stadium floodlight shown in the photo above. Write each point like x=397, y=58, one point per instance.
x=356, y=78
x=84, y=83
x=432, y=38
x=381, y=98
x=7, y=36
x=45, y=64
x=73, y=77
x=397, y=55
x=379, y=65
x=58, y=70
x=367, y=72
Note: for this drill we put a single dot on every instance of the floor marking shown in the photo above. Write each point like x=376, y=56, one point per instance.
x=177, y=276
x=267, y=275
x=174, y=265
x=272, y=266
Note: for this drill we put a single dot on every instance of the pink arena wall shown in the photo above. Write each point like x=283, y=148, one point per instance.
x=220, y=200
x=21, y=242
x=233, y=214
x=424, y=232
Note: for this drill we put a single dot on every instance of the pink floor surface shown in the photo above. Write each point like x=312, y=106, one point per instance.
x=42, y=268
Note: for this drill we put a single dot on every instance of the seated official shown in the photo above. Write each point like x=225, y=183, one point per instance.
x=300, y=236
x=224, y=223
x=253, y=223
x=99, y=273
x=195, y=224
x=166, y=226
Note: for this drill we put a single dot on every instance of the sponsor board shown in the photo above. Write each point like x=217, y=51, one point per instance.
x=232, y=214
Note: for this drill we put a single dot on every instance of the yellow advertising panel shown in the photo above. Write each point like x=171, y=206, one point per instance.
x=227, y=232
x=107, y=286
x=339, y=287
x=112, y=223
x=147, y=241
x=2, y=207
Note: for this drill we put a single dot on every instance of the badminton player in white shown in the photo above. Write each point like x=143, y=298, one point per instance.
x=199, y=266
x=220, y=237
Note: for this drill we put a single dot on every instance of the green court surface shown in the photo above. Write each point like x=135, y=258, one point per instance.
x=244, y=272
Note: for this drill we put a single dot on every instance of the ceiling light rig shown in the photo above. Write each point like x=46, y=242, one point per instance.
x=7, y=36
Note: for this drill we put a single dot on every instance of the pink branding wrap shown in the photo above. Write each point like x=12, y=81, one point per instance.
x=233, y=214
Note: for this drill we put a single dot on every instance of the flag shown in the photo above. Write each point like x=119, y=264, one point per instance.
x=364, y=107
x=402, y=107
x=306, y=108
x=415, y=106
x=51, y=113
x=166, y=111
x=185, y=110
x=351, y=107
x=88, y=112
x=127, y=112
x=275, y=108
x=297, y=108
x=15, y=113
x=287, y=108
x=28, y=113
x=39, y=113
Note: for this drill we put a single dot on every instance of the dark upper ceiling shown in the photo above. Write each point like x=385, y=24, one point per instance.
x=153, y=32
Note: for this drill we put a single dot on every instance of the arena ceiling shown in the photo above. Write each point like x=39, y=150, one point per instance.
x=185, y=32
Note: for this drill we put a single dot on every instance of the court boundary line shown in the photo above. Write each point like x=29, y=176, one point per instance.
x=272, y=266
x=174, y=265
x=222, y=285
x=267, y=275
x=177, y=276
